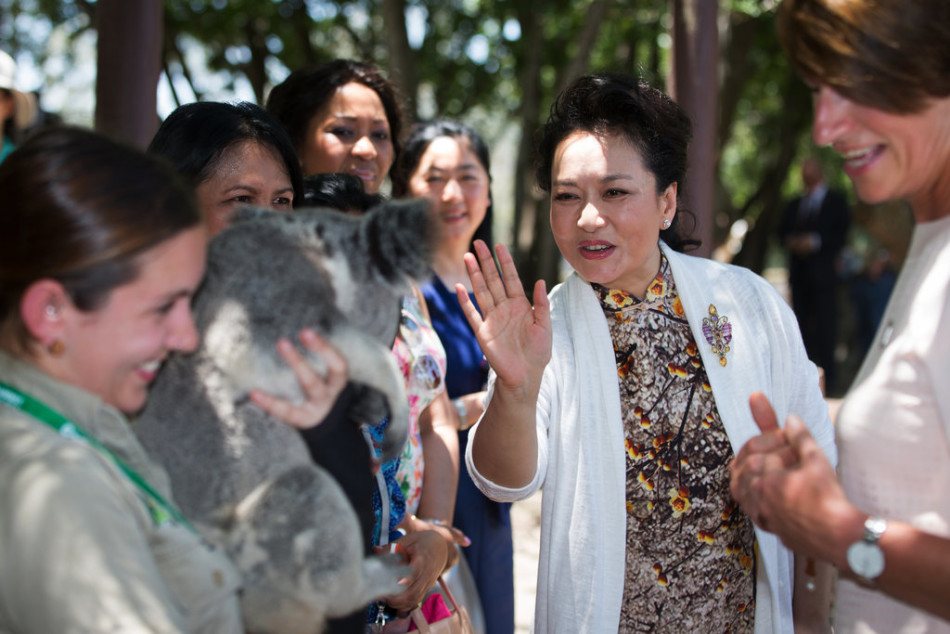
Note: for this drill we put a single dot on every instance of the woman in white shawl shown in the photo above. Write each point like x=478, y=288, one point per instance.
x=624, y=393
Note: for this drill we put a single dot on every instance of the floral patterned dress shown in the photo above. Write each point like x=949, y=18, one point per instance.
x=421, y=359
x=690, y=556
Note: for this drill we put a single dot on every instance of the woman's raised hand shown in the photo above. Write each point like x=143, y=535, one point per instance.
x=514, y=336
x=320, y=390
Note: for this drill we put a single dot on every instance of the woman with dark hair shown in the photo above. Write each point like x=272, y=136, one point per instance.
x=343, y=116
x=624, y=393
x=101, y=249
x=233, y=155
x=448, y=163
x=879, y=73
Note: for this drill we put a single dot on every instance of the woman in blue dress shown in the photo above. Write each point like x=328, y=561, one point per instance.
x=448, y=163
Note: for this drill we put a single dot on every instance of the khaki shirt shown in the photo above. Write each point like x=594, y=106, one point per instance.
x=79, y=550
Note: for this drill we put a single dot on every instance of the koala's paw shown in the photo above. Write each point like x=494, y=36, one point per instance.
x=380, y=576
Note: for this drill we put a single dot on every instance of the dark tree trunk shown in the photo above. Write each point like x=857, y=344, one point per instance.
x=695, y=87
x=528, y=201
x=129, y=62
x=401, y=62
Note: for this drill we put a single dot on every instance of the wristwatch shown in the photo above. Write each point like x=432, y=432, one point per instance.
x=865, y=557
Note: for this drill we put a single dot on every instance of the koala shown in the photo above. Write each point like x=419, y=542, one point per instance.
x=247, y=480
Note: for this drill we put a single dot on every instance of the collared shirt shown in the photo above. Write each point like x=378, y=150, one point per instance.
x=79, y=549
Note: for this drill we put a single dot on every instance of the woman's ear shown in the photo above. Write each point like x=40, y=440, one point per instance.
x=42, y=311
x=669, y=202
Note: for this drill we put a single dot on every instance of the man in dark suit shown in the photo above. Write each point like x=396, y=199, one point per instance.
x=813, y=231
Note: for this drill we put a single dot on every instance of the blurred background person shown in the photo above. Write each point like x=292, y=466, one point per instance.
x=813, y=229
x=18, y=109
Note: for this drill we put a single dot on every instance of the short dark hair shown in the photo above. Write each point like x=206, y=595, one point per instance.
x=643, y=115
x=298, y=98
x=195, y=136
x=344, y=192
x=418, y=141
x=80, y=208
x=889, y=54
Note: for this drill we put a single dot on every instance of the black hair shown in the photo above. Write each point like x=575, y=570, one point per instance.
x=344, y=192
x=418, y=141
x=296, y=100
x=643, y=115
x=195, y=136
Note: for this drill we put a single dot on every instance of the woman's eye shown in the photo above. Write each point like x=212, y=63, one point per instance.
x=613, y=193
x=283, y=202
x=343, y=133
x=434, y=179
x=381, y=135
x=564, y=197
x=241, y=200
x=164, y=309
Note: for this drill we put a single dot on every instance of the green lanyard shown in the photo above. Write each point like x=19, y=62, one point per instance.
x=162, y=512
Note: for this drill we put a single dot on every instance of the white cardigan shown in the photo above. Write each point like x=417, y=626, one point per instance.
x=581, y=459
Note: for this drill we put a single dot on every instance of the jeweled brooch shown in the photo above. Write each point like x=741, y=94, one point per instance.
x=718, y=332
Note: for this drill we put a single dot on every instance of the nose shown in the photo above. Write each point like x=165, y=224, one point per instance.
x=364, y=148
x=452, y=191
x=590, y=218
x=183, y=335
x=831, y=116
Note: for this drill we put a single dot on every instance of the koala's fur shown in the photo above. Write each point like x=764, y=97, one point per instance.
x=246, y=479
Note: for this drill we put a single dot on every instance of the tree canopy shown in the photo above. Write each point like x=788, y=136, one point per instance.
x=494, y=63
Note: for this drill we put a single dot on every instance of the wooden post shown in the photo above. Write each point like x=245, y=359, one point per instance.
x=695, y=87
x=129, y=62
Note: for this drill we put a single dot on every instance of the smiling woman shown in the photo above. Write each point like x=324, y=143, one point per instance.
x=101, y=251
x=882, y=102
x=88, y=312
x=343, y=116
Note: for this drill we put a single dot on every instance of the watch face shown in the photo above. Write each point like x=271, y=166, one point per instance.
x=866, y=560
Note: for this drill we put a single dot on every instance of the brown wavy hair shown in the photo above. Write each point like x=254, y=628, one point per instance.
x=893, y=55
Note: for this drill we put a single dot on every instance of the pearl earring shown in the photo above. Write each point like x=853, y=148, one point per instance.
x=666, y=223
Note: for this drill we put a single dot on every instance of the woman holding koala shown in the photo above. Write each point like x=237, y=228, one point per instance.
x=90, y=538
x=344, y=117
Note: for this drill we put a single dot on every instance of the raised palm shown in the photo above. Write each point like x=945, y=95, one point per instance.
x=514, y=336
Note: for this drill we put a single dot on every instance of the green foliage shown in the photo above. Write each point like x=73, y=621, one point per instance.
x=499, y=62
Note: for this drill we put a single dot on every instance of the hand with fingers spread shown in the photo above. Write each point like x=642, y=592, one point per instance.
x=784, y=482
x=516, y=339
x=320, y=390
x=514, y=336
